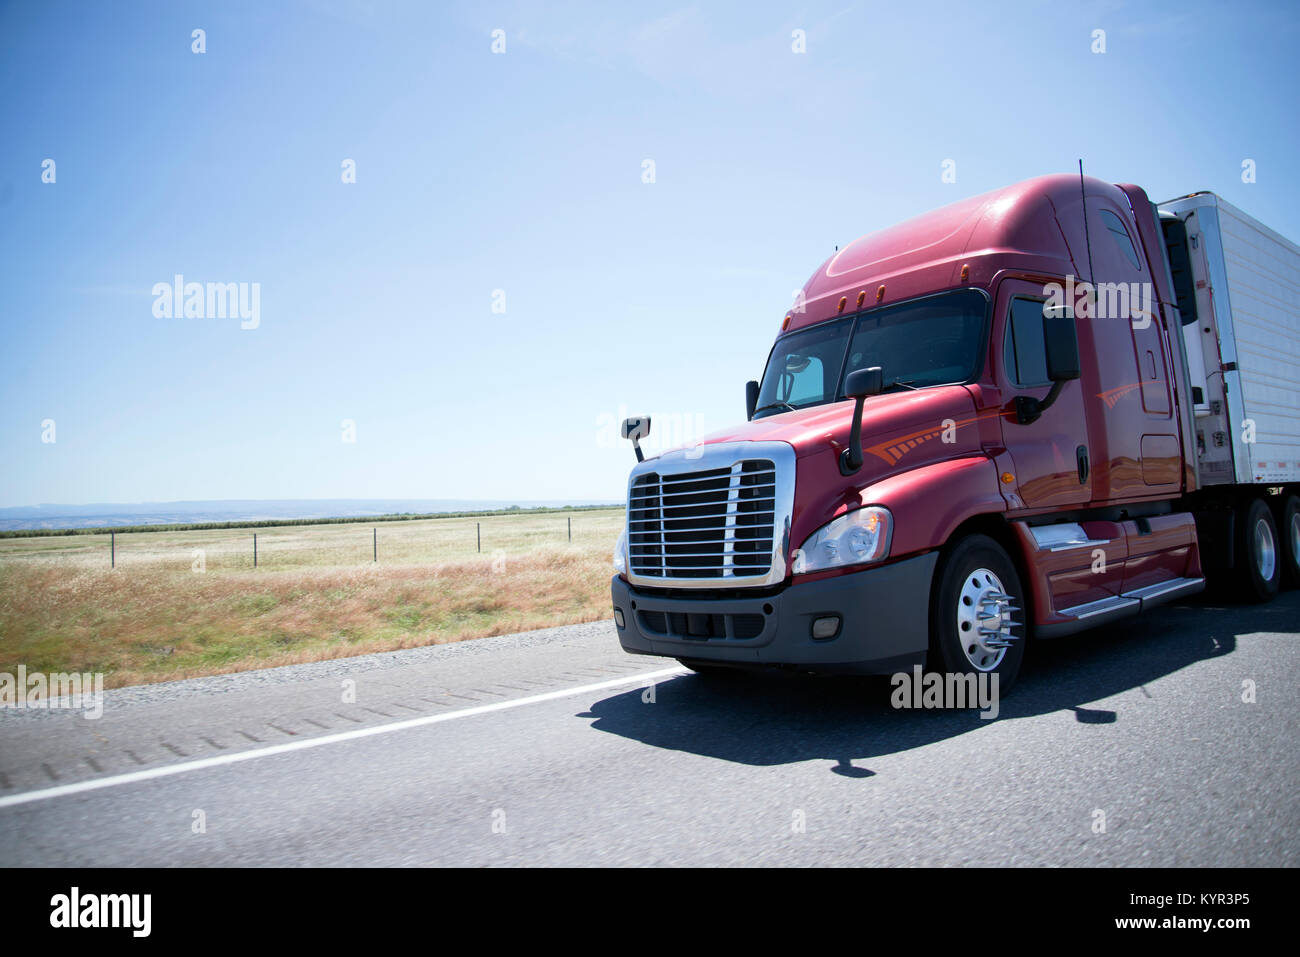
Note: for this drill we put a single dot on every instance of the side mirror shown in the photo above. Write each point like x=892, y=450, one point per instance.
x=636, y=428
x=751, y=398
x=857, y=386
x=864, y=382
x=1061, y=343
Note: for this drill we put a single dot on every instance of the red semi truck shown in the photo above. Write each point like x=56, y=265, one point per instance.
x=1026, y=414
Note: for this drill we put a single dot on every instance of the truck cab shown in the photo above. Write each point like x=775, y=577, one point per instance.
x=972, y=427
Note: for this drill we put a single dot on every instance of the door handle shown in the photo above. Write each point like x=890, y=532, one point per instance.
x=1081, y=457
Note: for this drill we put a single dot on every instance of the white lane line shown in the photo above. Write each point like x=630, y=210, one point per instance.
x=166, y=771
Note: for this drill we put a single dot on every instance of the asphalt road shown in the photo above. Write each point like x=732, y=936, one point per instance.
x=1131, y=746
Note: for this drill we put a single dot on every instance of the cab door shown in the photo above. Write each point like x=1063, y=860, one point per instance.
x=1144, y=453
x=1052, y=464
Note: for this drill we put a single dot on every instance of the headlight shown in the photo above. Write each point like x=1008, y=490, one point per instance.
x=620, y=553
x=856, y=538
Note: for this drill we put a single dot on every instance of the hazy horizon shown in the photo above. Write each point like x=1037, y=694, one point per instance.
x=185, y=512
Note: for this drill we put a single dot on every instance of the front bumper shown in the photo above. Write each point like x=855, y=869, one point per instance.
x=883, y=611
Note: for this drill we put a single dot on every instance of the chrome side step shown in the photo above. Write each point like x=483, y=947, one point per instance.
x=1107, y=607
x=1117, y=607
x=1162, y=592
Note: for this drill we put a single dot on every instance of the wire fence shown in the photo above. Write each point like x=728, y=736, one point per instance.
x=268, y=548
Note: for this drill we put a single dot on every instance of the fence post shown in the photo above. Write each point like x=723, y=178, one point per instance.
x=570, y=528
x=255, y=549
x=478, y=534
x=112, y=549
x=376, y=531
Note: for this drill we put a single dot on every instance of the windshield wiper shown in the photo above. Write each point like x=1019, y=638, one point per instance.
x=775, y=405
x=904, y=384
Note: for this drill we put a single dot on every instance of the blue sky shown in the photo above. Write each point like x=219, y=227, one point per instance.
x=523, y=172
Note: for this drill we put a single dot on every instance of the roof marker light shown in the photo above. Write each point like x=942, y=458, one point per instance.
x=861, y=298
x=844, y=301
x=880, y=294
x=786, y=324
x=965, y=272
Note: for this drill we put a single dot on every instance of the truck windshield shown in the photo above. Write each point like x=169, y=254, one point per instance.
x=930, y=341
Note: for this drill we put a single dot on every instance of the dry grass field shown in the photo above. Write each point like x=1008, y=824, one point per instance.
x=186, y=603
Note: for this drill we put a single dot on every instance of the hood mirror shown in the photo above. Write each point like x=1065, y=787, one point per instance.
x=636, y=428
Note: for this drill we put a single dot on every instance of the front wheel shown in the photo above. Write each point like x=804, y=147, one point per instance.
x=977, y=619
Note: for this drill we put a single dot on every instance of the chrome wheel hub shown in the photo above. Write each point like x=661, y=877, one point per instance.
x=1265, y=550
x=985, y=619
x=1295, y=535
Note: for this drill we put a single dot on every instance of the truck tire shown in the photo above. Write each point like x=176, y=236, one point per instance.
x=1289, y=532
x=1257, y=552
x=977, y=620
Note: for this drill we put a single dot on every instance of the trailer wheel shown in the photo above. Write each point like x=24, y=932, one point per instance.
x=1258, y=553
x=977, y=620
x=1289, y=531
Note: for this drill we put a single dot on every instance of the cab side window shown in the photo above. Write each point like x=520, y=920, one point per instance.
x=1121, y=237
x=1024, y=352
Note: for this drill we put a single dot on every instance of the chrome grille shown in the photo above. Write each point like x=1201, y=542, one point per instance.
x=707, y=523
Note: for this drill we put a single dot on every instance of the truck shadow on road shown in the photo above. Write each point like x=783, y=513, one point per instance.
x=772, y=719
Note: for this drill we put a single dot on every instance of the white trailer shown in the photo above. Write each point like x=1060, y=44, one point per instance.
x=1238, y=287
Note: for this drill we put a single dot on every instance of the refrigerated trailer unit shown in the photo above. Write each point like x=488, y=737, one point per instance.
x=1238, y=291
x=1017, y=417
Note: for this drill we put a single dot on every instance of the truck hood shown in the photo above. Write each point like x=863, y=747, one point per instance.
x=894, y=415
x=901, y=432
